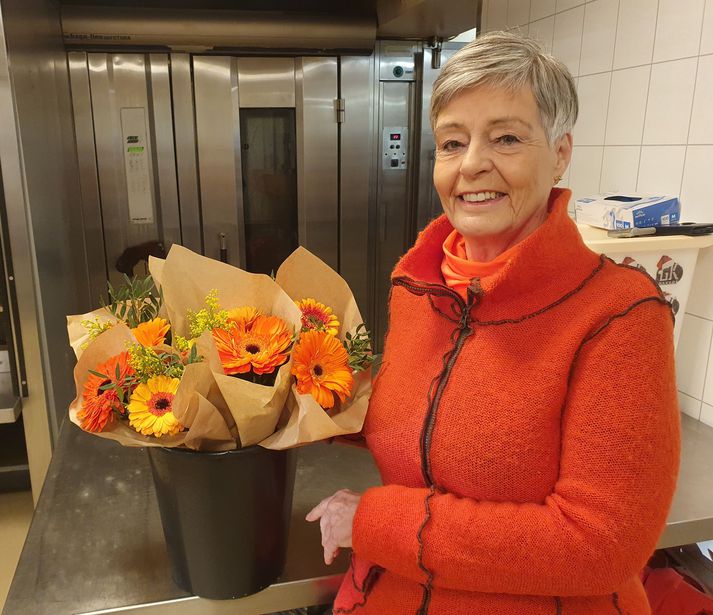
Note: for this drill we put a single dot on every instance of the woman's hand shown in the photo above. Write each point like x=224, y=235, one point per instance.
x=336, y=515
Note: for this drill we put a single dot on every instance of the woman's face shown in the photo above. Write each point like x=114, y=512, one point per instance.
x=494, y=167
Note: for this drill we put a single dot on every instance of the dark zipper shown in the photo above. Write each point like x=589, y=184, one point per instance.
x=464, y=331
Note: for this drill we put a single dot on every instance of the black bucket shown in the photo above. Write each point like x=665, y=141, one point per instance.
x=226, y=517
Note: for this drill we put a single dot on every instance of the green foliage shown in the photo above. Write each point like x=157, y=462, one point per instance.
x=137, y=300
x=209, y=318
x=358, y=348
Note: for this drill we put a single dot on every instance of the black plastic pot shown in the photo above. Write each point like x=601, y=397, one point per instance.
x=226, y=517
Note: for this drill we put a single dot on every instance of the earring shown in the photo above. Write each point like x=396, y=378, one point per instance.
x=558, y=178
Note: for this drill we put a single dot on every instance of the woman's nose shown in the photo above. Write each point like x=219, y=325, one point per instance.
x=475, y=160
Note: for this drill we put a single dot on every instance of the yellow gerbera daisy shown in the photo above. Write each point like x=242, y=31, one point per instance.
x=151, y=333
x=317, y=317
x=261, y=349
x=151, y=407
x=244, y=316
x=320, y=363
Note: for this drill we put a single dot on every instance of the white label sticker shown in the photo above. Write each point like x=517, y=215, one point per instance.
x=136, y=165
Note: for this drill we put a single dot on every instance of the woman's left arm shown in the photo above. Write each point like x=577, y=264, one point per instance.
x=618, y=468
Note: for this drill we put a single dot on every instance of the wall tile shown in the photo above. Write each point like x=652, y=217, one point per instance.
x=700, y=301
x=678, y=29
x=542, y=8
x=518, y=12
x=593, y=92
x=697, y=189
x=627, y=106
x=701, y=131
x=620, y=167
x=707, y=414
x=694, y=346
x=707, y=35
x=586, y=171
x=563, y=5
x=661, y=169
x=689, y=405
x=543, y=31
x=497, y=15
x=668, y=113
x=599, y=33
x=635, y=33
x=567, y=44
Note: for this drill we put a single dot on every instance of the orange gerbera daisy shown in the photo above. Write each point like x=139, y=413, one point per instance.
x=320, y=363
x=260, y=349
x=317, y=317
x=243, y=316
x=99, y=404
x=151, y=333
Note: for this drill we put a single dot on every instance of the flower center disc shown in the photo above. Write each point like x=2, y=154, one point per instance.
x=317, y=370
x=160, y=403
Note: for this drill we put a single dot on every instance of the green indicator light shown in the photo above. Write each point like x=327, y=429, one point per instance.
x=135, y=150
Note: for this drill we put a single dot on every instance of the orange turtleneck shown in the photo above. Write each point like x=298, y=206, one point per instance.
x=458, y=271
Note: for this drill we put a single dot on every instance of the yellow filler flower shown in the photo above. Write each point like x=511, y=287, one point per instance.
x=151, y=407
x=320, y=363
x=317, y=317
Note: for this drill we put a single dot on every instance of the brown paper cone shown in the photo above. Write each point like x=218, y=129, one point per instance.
x=302, y=275
x=115, y=341
x=186, y=279
x=308, y=422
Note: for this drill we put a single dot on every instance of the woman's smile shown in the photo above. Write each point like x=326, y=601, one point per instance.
x=480, y=200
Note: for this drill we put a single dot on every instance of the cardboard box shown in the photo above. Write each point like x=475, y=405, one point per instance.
x=618, y=211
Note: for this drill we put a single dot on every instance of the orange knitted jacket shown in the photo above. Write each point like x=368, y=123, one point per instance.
x=528, y=440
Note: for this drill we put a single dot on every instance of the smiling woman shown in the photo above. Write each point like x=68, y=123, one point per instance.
x=525, y=418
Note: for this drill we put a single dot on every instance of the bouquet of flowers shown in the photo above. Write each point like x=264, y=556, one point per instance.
x=213, y=357
x=134, y=388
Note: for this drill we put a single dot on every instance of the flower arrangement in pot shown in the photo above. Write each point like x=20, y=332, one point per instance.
x=221, y=373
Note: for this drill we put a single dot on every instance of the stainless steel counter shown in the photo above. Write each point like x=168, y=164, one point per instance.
x=96, y=545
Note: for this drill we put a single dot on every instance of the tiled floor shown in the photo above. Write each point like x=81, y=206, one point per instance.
x=15, y=517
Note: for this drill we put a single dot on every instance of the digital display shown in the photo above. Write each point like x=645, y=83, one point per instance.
x=395, y=136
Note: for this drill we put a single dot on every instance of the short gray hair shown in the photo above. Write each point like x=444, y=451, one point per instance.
x=505, y=59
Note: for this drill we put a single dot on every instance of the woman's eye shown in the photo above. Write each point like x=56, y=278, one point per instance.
x=449, y=146
x=507, y=140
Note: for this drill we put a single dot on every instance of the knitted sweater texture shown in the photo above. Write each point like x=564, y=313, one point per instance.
x=528, y=439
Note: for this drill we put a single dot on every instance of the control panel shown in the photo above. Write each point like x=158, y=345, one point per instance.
x=136, y=165
x=395, y=147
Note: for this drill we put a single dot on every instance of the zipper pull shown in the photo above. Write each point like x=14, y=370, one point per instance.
x=474, y=291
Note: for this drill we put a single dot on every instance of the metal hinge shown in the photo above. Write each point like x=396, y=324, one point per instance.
x=339, y=108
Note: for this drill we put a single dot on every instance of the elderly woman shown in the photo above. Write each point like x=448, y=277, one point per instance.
x=524, y=419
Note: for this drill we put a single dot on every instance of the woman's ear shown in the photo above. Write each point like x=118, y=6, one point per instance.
x=563, y=153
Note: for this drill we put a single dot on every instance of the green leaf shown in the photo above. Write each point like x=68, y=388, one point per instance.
x=98, y=374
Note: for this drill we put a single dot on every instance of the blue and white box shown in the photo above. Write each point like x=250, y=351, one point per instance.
x=613, y=210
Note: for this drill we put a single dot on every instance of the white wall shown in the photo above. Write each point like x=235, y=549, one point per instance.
x=644, y=73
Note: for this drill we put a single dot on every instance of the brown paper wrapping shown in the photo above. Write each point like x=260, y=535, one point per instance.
x=186, y=279
x=302, y=275
x=78, y=335
x=206, y=428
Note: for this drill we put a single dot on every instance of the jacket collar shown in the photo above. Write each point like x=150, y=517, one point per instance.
x=547, y=265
